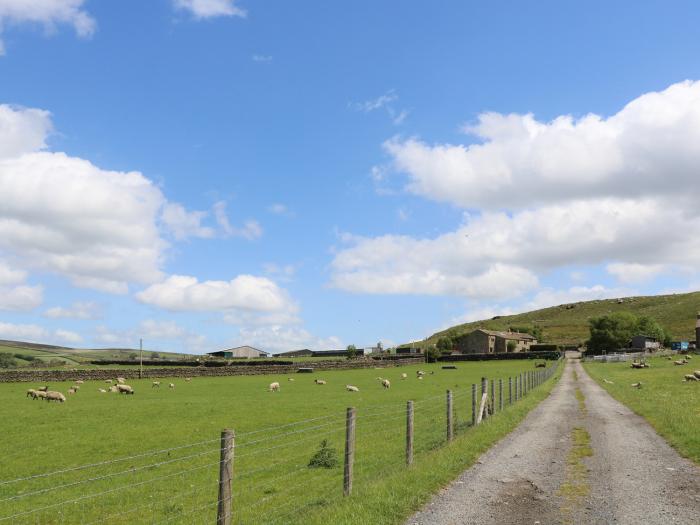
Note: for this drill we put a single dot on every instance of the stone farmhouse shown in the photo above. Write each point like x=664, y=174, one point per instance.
x=483, y=341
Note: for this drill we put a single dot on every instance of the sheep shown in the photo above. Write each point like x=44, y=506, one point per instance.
x=420, y=373
x=290, y=379
x=55, y=396
x=156, y=384
x=171, y=385
x=108, y=381
x=404, y=375
x=696, y=373
x=72, y=391
x=637, y=385
x=43, y=389
x=680, y=362
x=31, y=393
x=102, y=390
x=188, y=379
x=320, y=381
x=121, y=380
x=113, y=389
x=274, y=387
x=608, y=381
x=690, y=377
x=76, y=387
x=420, y=377
x=125, y=389
x=379, y=378
x=386, y=383
x=40, y=394
x=79, y=382
x=351, y=388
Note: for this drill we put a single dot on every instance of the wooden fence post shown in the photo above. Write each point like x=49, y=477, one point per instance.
x=517, y=388
x=510, y=391
x=224, y=510
x=473, y=404
x=450, y=420
x=493, y=396
x=484, y=392
x=349, y=450
x=500, y=394
x=409, y=432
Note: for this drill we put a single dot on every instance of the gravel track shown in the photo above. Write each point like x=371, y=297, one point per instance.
x=535, y=476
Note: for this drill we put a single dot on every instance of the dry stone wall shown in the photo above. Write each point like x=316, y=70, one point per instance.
x=44, y=376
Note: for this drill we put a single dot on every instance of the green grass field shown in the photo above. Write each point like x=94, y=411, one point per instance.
x=670, y=405
x=277, y=433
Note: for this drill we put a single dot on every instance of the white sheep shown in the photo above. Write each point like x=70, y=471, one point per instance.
x=274, y=387
x=40, y=394
x=113, y=389
x=420, y=373
x=76, y=387
x=290, y=379
x=121, y=380
x=125, y=389
x=102, y=390
x=404, y=375
x=43, y=389
x=188, y=379
x=386, y=383
x=156, y=384
x=320, y=381
x=351, y=388
x=72, y=391
x=109, y=381
x=79, y=382
x=171, y=385
x=55, y=396
x=31, y=393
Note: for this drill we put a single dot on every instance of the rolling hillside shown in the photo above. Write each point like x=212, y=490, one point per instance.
x=568, y=323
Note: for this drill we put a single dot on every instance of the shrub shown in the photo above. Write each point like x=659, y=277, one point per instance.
x=7, y=361
x=325, y=457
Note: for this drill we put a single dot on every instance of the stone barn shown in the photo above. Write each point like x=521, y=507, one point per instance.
x=483, y=341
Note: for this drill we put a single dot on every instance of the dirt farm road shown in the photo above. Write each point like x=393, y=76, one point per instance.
x=579, y=457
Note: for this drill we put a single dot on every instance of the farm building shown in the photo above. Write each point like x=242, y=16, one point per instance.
x=304, y=352
x=482, y=341
x=240, y=351
x=408, y=350
x=644, y=342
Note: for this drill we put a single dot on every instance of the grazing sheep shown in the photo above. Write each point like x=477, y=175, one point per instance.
x=72, y=391
x=102, y=390
x=274, y=387
x=43, y=389
x=420, y=373
x=55, y=396
x=320, y=381
x=404, y=375
x=113, y=389
x=290, y=379
x=380, y=379
x=156, y=384
x=608, y=381
x=76, y=387
x=697, y=374
x=171, y=385
x=40, y=394
x=79, y=382
x=690, y=377
x=637, y=385
x=121, y=380
x=680, y=362
x=188, y=379
x=109, y=381
x=125, y=389
x=386, y=383
x=31, y=393
x=351, y=388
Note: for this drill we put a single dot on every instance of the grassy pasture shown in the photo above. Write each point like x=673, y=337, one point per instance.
x=670, y=405
x=277, y=433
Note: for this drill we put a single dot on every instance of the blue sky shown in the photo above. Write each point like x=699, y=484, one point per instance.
x=208, y=173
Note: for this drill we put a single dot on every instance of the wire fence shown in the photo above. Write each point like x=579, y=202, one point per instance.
x=272, y=478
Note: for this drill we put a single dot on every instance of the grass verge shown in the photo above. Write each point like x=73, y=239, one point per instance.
x=401, y=491
x=670, y=405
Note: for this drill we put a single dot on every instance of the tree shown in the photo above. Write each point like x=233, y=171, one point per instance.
x=511, y=346
x=133, y=356
x=445, y=345
x=432, y=353
x=352, y=351
x=614, y=331
x=7, y=361
x=155, y=355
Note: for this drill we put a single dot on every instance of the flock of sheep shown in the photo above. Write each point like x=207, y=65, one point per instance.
x=119, y=387
x=695, y=376
x=275, y=386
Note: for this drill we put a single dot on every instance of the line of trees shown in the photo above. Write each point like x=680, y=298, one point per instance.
x=615, y=331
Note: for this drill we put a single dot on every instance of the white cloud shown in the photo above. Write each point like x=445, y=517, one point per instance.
x=262, y=58
x=10, y=276
x=23, y=130
x=245, y=292
x=628, y=273
x=183, y=223
x=619, y=191
x=386, y=102
x=648, y=147
x=210, y=8
x=277, y=209
x=67, y=336
x=161, y=329
x=21, y=298
x=250, y=229
x=78, y=310
x=47, y=13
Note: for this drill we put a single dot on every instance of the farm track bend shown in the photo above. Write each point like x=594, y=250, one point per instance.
x=579, y=457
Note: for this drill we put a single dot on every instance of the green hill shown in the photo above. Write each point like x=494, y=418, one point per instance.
x=568, y=323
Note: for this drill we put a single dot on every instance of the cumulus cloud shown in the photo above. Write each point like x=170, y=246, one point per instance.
x=67, y=336
x=47, y=13
x=619, y=192
x=201, y=9
x=37, y=334
x=21, y=298
x=78, y=310
x=183, y=223
x=284, y=338
x=245, y=292
x=250, y=229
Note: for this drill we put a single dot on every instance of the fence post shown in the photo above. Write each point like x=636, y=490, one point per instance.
x=484, y=390
x=493, y=396
x=349, y=450
x=510, y=391
x=517, y=388
x=450, y=421
x=409, y=432
x=473, y=404
x=500, y=394
x=224, y=510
